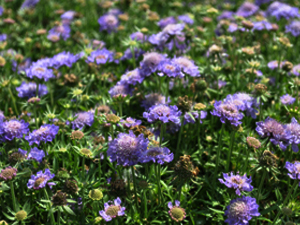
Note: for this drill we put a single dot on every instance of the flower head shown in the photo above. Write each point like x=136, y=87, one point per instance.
x=46, y=133
x=64, y=59
x=132, y=77
x=29, y=4
x=138, y=36
x=237, y=182
x=247, y=9
x=187, y=66
x=108, y=22
x=150, y=63
x=59, y=199
x=294, y=170
x=293, y=129
x=164, y=113
x=159, y=155
x=126, y=149
x=112, y=210
x=169, y=68
x=130, y=122
x=287, y=99
x=177, y=213
x=83, y=119
x=62, y=30
x=36, y=154
x=296, y=70
x=195, y=114
x=40, y=180
x=153, y=99
x=120, y=89
x=293, y=28
x=241, y=210
x=8, y=173
x=13, y=129
x=282, y=10
x=166, y=21
x=39, y=71
x=28, y=90
x=95, y=194
x=227, y=111
x=186, y=19
x=100, y=56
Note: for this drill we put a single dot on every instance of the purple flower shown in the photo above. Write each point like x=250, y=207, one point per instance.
x=28, y=90
x=237, y=182
x=29, y=3
x=157, y=155
x=40, y=180
x=260, y=2
x=275, y=131
x=3, y=37
x=138, y=36
x=247, y=9
x=294, y=170
x=132, y=77
x=46, y=133
x=13, y=129
x=100, y=56
x=227, y=111
x=293, y=129
x=108, y=22
x=296, y=70
x=177, y=213
x=69, y=15
x=54, y=37
x=21, y=67
x=274, y=64
x=187, y=66
x=169, y=68
x=241, y=210
x=130, y=122
x=150, y=63
x=36, y=154
x=126, y=149
x=64, y=59
x=164, y=113
x=189, y=119
x=282, y=10
x=262, y=25
x=166, y=21
x=128, y=53
x=186, y=19
x=293, y=28
x=62, y=31
x=153, y=99
x=287, y=99
x=8, y=173
x=39, y=71
x=115, y=12
x=226, y=15
x=23, y=152
x=2, y=117
x=83, y=119
x=120, y=89
x=1, y=10
x=112, y=210
x=233, y=27
x=221, y=84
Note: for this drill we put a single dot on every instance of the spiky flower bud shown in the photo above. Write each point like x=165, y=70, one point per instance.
x=71, y=186
x=98, y=219
x=287, y=66
x=247, y=24
x=112, y=118
x=137, y=130
x=8, y=173
x=268, y=159
x=184, y=104
x=59, y=199
x=184, y=169
x=15, y=157
x=63, y=173
x=95, y=194
x=34, y=100
x=77, y=135
x=260, y=89
x=199, y=106
x=117, y=187
x=21, y=215
x=287, y=211
x=253, y=142
x=86, y=152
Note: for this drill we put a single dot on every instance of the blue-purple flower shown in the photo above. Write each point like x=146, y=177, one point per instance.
x=169, y=68
x=112, y=210
x=150, y=63
x=262, y=25
x=294, y=170
x=189, y=119
x=108, y=22
x=41, y=179
x=13, y=129
x=187, y=66
x=237, y=182
x=132, y=77
x=39, y=71
x=35, y=154
x=227, y=111
x=28, y=90
x=274, y=64
x=247, y=9
x=241, y=210
x=275, y=131
x=139, y=36
x=22, y=66
x=120, y=89
x=130, y=122
x=127, y=149
x=29, y=4
x=293, y=28
x=68, y=15
x=100, y=56
x=282, y=10
x=186, y=19
x=64, y=59
x=296, y=70
x=287, y=99
x=166, y=21
x=159, y=155
x=293, y=129
x=46, y=133
x=176, y=212
x=154, y=99
x=163, y=113
x=83, y=119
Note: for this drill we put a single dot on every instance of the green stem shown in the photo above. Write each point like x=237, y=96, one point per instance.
x=261, y=184
x=218, y=154
x=179, y=137
x=13, y=100
x=134, y=187
x=145, y=204
x=247, y=160
x=13, y=196
x=58, y=217
x=260, y=109
x=158, y=184
x=179, y=193
x=37, y=89
x=161, y=133
x=51, y=212
x=295, y=185
x=120, y=109
x=83, y=169
x=232, y=137
x=198, y=131
x=35, y=118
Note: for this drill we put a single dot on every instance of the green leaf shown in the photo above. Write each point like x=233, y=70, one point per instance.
x=216, y=211
x=68, y=210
